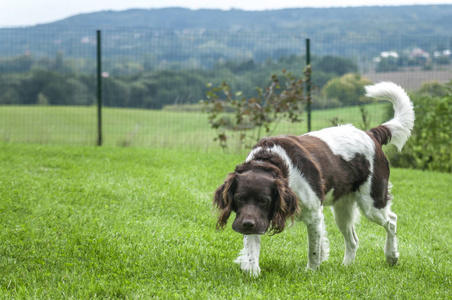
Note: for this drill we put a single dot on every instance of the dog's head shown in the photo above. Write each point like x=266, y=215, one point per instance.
x=259, y=195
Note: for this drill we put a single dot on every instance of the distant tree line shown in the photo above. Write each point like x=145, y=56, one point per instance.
x=24, y=80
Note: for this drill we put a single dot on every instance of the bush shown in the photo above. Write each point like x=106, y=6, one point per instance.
x=429, y=147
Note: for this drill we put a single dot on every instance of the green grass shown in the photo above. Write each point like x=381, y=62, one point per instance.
x=133, y=223
x=141, y=128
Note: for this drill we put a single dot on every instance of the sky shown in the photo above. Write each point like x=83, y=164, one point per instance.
x=32, y=12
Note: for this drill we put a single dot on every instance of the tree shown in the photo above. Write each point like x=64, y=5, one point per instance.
x=78, y=92
x=115, y=92
x=9, y=96
x=387, y=64
x=21, y=63
x=348, y=89
x=335, y=64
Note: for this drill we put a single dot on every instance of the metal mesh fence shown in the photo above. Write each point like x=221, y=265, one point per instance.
x=153, y=79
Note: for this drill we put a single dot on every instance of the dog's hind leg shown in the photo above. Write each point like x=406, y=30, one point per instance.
x=386, y=218
x=249, y=255
x=345, y=213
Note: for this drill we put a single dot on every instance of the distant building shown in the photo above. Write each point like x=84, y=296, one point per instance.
x=419, y=57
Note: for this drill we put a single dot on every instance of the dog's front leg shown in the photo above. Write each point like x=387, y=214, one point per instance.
x=314, y=251
x=317, y=240
x=249, y=256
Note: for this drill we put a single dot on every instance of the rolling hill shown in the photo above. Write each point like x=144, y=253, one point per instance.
x=404, y=20
x=266, y=34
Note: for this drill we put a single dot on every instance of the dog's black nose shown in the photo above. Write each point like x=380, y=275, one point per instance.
x=248, y=224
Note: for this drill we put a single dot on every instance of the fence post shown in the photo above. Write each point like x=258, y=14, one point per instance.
x=99, y=89
x=308, y=83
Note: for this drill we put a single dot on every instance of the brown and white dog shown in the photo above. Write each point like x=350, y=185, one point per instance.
x=341, y=166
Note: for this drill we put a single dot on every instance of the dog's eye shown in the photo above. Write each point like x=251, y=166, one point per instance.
x=239, y=199
x=264, y=202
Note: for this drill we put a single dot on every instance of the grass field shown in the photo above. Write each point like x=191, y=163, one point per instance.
x=140, y=128
x=133, y=223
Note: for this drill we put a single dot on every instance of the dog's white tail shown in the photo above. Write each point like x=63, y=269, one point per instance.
x=403, y=121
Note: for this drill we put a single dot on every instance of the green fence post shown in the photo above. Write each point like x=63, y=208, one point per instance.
x=308, y=83
x=99, y=89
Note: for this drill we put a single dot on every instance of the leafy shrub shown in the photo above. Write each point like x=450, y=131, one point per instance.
x=282, y=99
x=429, y=147
x=432, y=89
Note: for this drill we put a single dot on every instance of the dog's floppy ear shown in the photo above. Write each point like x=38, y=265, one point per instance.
x=223, y=199
x=286, y=205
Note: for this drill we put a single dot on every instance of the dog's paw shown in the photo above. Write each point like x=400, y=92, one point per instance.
x=349, y=257
x=242, y=260
x=312, y=267
x=391, y=252
x=254, y=271
x=348, y=261
x=392, y=258
x=248, y=265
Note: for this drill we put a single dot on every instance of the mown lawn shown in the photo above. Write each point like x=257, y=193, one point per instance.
x=143, y=128
x=134, y=223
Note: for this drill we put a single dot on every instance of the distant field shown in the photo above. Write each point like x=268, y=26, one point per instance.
x=141, y=128
x=412, y=78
